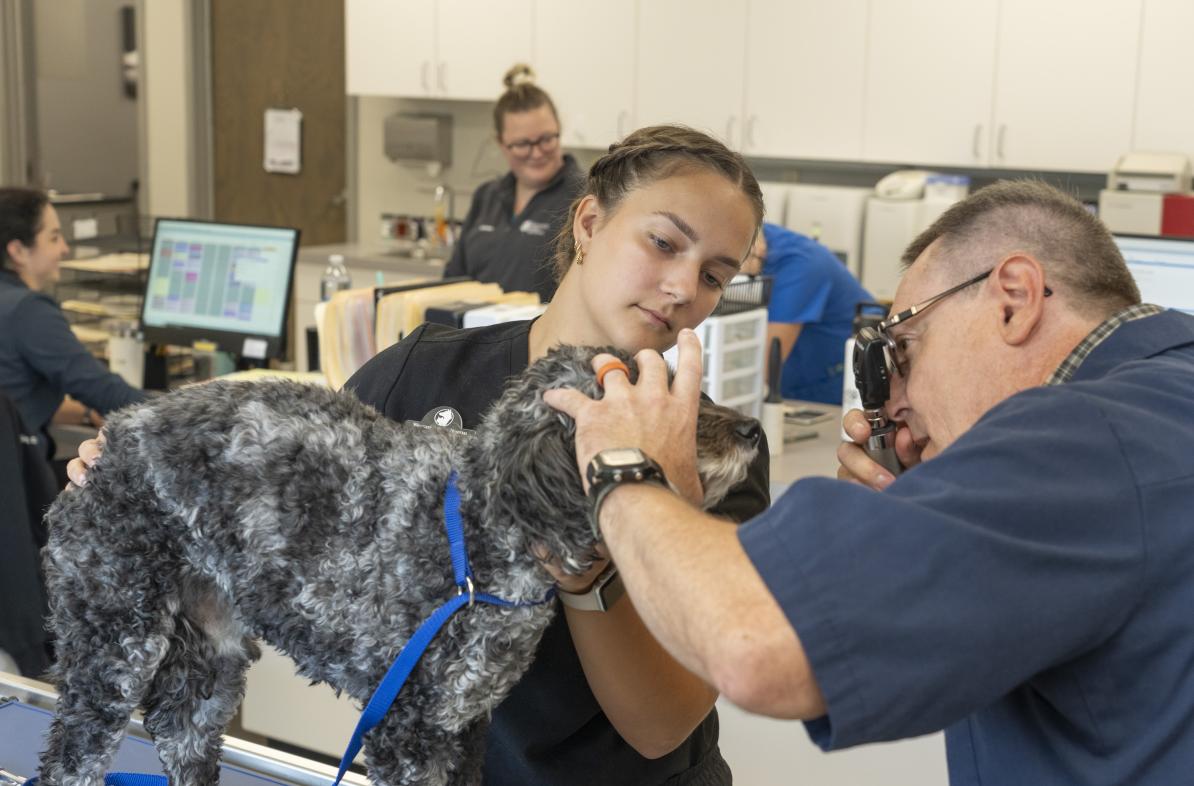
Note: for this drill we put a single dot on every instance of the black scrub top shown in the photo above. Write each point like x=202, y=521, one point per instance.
x=515, y=251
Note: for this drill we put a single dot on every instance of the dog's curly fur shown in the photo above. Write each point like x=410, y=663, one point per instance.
x=232, y=511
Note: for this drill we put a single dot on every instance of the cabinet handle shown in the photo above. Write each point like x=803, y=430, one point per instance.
x=440, y=70
x=423, y=77
x=978, y=132
x=749, y=142
x=730, y=131
x=999, y=140
x=621, y=123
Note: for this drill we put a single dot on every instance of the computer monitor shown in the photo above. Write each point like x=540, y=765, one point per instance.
x=1163, y=268
x=220, y=286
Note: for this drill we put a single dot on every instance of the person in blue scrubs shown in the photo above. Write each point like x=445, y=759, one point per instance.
x=1025, y=584
x=811, y=311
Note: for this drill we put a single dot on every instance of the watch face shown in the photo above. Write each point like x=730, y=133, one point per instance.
x=621, y=457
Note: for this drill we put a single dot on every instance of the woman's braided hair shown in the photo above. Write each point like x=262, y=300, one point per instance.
x=648, y=155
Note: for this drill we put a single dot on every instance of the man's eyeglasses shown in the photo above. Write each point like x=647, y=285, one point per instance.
x=546, y=144
x=893, y=344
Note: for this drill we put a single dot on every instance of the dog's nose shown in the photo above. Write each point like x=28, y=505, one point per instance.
x=750, y=431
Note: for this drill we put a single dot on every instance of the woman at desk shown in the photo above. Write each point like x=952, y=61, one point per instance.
x=509, y=233
x=41, y=361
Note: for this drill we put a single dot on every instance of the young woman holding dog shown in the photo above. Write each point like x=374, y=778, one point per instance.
x=663, y=223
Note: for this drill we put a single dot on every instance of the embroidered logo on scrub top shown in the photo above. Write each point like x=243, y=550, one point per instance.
x=537, y=228
x=444, y=417
x=484, y=227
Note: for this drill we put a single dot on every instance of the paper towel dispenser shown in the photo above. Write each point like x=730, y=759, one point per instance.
x=419, y=138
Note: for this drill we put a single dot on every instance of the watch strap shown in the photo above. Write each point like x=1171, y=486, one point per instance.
x=607, y=588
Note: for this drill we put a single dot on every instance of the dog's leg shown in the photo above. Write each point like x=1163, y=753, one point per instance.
x=107, y=657
x=198, y=686
x=193, y=697
x=404, y=751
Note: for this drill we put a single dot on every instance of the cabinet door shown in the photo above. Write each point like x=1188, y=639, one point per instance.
x=1065, y=83
x=1165, y=101
x=584, y=54
x=478, y=41
x=389, y=47
x=691, y=62
x=805, y=66
x=928, y=93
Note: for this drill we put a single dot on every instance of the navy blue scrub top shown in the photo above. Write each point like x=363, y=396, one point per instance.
x=1030, y=590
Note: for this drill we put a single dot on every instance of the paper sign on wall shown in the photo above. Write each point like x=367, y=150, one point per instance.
x=283, y=141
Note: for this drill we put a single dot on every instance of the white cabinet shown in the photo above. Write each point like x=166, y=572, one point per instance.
x=478, y=41
x=929, y=70
x=435, y=48
x=805, y=72
x=390, y=47
x=1065, y=83
x=584, y=54
x=1165, y=97
x=691, y=64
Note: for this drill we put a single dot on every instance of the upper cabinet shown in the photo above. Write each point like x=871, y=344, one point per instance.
x=390, y=47
x=928, y=87
x=805, y=71
x=690, y=65
x=435, y=48
x=1065, y=83
x=584, y=55
x=1165, y=94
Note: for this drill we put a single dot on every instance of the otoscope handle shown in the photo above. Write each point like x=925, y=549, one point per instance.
x=881, y=447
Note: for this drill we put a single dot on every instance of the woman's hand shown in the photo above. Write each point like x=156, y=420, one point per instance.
x=89, y=453
x=857, y=465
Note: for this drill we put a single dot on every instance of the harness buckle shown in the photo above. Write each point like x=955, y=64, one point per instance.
x=472, y=591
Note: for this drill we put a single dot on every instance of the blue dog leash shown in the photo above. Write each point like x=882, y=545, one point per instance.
x=466, y=593
x=383, y=698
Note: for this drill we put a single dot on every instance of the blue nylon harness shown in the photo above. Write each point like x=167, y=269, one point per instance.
x=382, y=699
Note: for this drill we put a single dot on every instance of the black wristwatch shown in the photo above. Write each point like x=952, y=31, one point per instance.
x=618, y=465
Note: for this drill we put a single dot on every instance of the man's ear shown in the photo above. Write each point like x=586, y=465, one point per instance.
x=1020, y=280
x=584, y=222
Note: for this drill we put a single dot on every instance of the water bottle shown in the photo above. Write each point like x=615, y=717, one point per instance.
x=335, y=278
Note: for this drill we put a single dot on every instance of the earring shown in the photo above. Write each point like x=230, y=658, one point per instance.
x=580, y=256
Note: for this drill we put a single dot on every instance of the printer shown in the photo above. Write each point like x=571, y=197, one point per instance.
x=1149, y=194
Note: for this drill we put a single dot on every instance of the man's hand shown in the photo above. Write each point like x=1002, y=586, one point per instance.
x=857, y=465
x=89, y=453
x=646, y=415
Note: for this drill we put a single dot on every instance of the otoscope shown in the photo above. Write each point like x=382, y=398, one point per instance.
x=873, y=364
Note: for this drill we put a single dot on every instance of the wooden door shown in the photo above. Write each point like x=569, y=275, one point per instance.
x=279, y=54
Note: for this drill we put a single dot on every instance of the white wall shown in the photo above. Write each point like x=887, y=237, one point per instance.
x=167, y=135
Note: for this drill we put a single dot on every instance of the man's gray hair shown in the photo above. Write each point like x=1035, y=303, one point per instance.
x=1078, y=253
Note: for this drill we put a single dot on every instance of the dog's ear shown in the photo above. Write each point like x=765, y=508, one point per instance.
x=538, y=483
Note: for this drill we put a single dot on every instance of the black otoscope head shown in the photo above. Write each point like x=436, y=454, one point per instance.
x=873, y=365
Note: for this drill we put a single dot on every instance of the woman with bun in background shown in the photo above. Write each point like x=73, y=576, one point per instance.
x=508, y=236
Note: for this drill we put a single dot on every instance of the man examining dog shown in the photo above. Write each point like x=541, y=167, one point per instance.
x=1025, y=585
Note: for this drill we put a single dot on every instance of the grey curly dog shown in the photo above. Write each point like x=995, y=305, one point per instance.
x=233, y=511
